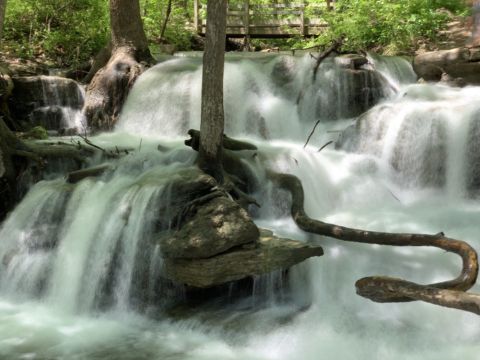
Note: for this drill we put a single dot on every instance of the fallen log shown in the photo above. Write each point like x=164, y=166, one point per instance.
x=76, y=176
x=382, y=289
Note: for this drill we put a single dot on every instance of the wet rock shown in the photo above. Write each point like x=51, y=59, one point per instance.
x=36, y=133
x=283, y=71
x=269, y=254
x=351, y=61
x=7, y=176
x=49, y=117
x=457, y=63
x=216, y=227
x=353, y=93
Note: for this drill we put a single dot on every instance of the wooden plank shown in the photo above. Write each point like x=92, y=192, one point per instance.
x=270, y=20
x=195, y=14
x=302, y=18
x=247, y=25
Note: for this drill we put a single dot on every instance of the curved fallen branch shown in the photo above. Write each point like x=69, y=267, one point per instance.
x=385, y=289
x=336, y=45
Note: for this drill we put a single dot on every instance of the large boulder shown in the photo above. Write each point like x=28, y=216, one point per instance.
x=216, y=227
x=457, y=63
x=351, y=61
x=352, y=92
x=268, y=254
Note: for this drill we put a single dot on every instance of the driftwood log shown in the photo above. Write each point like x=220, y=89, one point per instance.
x=77, y=176
x=382, y=289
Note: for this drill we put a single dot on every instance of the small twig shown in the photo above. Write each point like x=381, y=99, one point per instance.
x=391, y=193
x=140, y=146
x=324, y=146
x=311, y=133
x=88, y=142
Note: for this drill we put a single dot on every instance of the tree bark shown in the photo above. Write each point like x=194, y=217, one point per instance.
x=111, y=84
x=127, y=28
x=212, y=115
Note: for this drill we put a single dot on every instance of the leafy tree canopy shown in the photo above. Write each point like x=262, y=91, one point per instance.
x=69, y=32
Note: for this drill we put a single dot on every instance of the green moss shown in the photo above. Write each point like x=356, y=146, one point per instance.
x=36, y=133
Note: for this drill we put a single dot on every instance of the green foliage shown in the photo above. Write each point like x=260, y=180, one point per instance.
x=178, y=30
x=65, y=31
x=68, y=32
x=393, y=26
x=37, y=133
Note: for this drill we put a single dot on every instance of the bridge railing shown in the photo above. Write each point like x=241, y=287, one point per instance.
x=268, y=20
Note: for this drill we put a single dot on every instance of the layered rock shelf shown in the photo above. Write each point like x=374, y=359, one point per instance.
x=459, y=63
x=270, y=253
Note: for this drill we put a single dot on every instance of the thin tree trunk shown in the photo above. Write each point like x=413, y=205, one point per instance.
x=167, y=16
x=212, y=118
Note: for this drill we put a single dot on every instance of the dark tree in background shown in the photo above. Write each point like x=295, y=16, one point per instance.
x=3, y=6
x=212, y=123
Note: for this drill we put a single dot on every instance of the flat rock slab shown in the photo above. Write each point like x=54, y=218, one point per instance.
x=217, y=226
x=271, y=253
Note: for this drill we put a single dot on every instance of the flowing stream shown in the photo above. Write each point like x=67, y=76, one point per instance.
x=80, y=270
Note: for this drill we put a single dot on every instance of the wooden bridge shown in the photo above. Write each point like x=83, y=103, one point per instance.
x=273, y=20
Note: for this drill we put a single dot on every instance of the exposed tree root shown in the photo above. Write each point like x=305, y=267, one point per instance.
x=228, y=143
x=385, y=289
x=236, y=176
x=335, y=47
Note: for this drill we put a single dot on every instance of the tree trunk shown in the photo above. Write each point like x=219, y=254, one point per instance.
x=167, y=16
x=3, y=7
x=109, y=87
x=212, y=117
x=127, y=28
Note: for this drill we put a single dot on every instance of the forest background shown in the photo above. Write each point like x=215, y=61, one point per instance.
x=67, y=33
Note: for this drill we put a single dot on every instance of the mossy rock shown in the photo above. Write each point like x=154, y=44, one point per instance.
x=36, y=133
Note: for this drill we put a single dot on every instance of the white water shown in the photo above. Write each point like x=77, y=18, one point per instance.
x=52, y=303
x=61, y=105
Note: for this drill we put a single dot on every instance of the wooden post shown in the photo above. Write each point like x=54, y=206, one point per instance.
x=303, y=29
x=246, y=45
x=195, y=16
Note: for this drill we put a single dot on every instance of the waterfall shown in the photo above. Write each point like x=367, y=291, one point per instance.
x=267, y=97
x=49, y=101
x=81, y=265
x=424, y=136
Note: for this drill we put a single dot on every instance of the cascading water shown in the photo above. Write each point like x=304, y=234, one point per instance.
x=49, y=101
x=78, y=263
